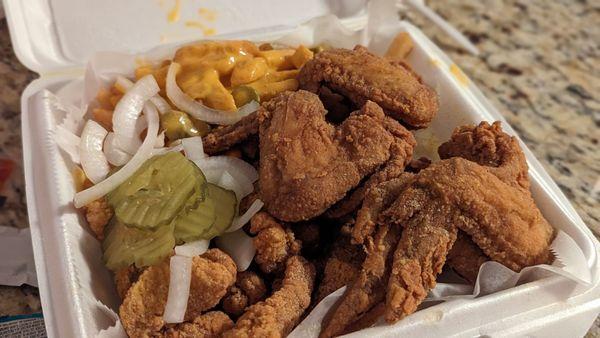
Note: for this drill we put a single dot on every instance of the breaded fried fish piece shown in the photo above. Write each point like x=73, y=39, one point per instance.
x=277, y=315
x=142, y=310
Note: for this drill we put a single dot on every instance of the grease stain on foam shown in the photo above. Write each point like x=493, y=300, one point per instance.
x=174, y=13
x=458, y=74
x=427, y=144
x=206, y=31
x=435, y=62
x=434, y=316
x=207, y=14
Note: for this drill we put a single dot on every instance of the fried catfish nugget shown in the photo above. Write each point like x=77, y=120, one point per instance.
x=209, y=325
x=360, y=76
x=249, y=288
x=277, y=315
x=307, y=164
x=274, y=242
x=142, y=310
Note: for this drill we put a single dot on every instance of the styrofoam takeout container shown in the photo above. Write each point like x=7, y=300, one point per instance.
x=56, y=37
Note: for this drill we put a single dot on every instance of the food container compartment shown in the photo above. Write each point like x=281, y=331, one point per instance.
x=76, y=288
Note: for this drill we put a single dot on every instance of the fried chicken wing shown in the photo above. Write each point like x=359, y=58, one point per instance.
x=488, y=202
x=489, y=146
x=419, y=258
x=360, y=76
x=307, y=164
x=142, y=309
x=222, y=138
x=277, y=315
x=274, y=242
x=368, y=289
x=466, y=257
x=341, y=268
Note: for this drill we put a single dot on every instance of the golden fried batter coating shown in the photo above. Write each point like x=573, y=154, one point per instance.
x=277, y=315
x=342, y=266
x=125, y=277
x=98, y=213
x=209, y=325
x=141, y=312
x=368, y=289
x=274, y=242
x=249, y=288
x=235, y=301
x=307, y=164
x=419, y=258
x=360, y=76
x=466, y=257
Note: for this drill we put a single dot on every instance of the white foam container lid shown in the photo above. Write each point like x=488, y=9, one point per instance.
x=56, y=37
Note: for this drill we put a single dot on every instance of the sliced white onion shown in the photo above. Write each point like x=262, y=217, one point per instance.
x=180, y=276
x=140, y=125
x=240, y=221
x=228, y=182
x=129, y=145
x=236, y=167
x=124, y=83
x=68, y=142
x=93, y=161
x=144, y=153
x=193, y=148
x=114, y=154
x=160, y=140
x=196, y=109
x=161, y=104
x=130, y=106
x=239, y=246
x=192, y=249
x=164, y=150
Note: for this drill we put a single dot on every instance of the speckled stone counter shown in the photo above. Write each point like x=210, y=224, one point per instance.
x=539, y=64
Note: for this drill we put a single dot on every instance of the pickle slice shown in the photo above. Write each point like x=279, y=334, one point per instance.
x=211, y=218
x=158, y=191
x=125, y=245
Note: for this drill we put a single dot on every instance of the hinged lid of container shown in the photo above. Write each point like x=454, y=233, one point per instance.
x=53, y=35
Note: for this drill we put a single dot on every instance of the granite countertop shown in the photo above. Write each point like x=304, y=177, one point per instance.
x=538, y=65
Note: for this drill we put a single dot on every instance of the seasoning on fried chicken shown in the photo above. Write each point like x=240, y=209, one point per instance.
x=277, y=315
x=341, y=268
x=368, y=289
x=307, y=164
x=274, y=242
x=360, y=76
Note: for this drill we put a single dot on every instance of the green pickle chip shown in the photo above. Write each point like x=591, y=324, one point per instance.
x=210, y=218
x=158, y=191
x=125, y=245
